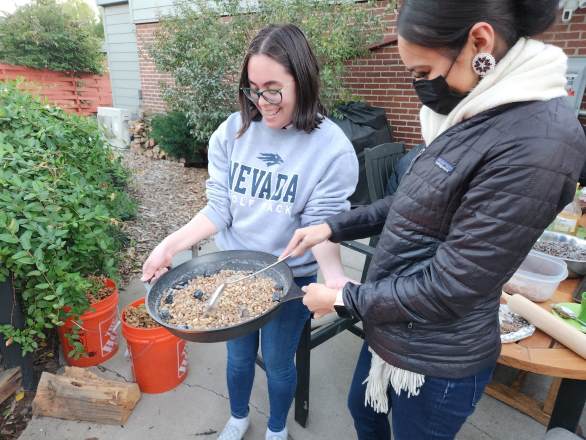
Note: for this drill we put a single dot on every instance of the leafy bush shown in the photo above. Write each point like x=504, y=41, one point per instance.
x=83, y=13
x=47, y=35
x=204, y=52
x=61, y=201
x=172, y=133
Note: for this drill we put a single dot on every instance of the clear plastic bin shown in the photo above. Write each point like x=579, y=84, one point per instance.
x=538, y=277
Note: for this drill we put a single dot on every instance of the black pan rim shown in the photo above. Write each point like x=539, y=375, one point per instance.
x=218, y=330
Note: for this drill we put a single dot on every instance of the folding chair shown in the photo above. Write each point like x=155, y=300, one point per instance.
x=380, y=163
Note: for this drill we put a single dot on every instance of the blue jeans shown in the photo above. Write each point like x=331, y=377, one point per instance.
x=279, y=339
x=437, y=413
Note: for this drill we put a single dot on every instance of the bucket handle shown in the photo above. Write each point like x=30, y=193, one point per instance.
x=116, y=315
x=142, y=352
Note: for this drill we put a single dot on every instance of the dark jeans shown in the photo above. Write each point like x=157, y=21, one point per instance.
x=279, y=339
x=437, y=413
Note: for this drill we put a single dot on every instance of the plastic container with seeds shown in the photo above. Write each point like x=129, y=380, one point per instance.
x=538, y=277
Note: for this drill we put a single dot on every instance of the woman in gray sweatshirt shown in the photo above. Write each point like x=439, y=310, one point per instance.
x=275, y=166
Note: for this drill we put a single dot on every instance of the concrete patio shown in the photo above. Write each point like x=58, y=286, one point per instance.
x=198, y=408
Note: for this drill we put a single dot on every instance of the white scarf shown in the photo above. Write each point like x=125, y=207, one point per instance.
x=530, y=71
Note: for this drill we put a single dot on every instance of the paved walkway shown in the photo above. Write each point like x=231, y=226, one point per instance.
x=198, y=408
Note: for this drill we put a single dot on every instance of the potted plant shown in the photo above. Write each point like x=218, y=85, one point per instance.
x=92, y=338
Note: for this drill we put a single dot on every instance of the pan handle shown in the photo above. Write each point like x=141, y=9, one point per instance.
x=294, y=292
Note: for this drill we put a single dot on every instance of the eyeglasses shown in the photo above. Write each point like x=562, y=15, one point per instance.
x=272, y=96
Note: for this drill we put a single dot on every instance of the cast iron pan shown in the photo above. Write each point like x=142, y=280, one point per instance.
x=210, y=264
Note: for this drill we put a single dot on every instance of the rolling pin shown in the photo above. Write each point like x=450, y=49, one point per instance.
x=569, y=336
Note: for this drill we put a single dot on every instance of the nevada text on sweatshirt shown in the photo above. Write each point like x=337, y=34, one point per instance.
x=267, y=183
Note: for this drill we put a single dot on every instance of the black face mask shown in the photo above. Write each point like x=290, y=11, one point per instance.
x=437, y=95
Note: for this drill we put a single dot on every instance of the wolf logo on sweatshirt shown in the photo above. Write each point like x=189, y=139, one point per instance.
x=270, y=159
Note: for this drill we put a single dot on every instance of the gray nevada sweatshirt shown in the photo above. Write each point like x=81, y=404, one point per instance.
x=268, y=182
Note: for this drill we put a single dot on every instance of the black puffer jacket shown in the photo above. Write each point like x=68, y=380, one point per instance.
x=463, y=218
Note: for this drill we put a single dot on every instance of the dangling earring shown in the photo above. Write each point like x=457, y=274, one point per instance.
x=483, y=63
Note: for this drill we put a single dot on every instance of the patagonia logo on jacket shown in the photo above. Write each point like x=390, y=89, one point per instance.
x=444, y=165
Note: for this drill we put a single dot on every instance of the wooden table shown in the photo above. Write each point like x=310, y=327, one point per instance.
x=541, y=354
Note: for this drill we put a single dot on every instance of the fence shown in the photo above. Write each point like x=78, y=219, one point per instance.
x=79, y=93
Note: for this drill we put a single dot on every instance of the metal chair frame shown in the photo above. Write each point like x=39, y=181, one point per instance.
x=380, y=163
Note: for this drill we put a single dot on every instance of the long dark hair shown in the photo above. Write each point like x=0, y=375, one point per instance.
x=446, y=23
x=287, y=45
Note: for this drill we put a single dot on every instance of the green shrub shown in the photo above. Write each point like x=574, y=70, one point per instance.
x=171, y=132
x=204, y=52
x=61, y=201
x=47, y=35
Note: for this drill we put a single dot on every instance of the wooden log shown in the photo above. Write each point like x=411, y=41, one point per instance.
x=10, y=382
x=79, y=394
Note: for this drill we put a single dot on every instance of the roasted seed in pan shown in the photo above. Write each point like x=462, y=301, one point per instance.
x=240, y=302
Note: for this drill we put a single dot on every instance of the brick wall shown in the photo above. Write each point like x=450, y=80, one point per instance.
x=150, y=78
x=572, y=38
x=380, y=78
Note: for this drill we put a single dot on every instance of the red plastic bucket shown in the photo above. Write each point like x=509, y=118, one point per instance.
x=159, y=358
x=98, y=331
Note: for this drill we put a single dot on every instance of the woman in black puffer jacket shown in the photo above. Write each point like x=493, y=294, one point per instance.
x=504, y=152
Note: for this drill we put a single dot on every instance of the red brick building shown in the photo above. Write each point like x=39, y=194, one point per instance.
x=380, y=78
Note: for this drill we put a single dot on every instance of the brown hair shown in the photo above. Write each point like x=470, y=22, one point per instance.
x=287, y=45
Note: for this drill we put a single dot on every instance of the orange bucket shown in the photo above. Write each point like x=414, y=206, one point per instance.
x=159, y=358
x=98, y=331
